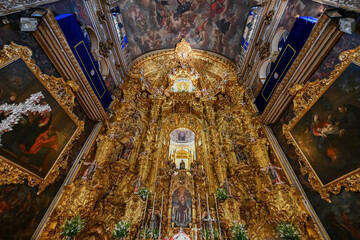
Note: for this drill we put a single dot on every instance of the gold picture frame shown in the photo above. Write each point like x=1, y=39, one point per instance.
x=59, y=94
x=306, y=96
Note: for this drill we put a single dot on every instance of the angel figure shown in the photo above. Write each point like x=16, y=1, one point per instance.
x=272, y=171
x=88, y=174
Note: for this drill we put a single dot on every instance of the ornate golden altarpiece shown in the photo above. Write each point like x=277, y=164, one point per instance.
x=221, y=116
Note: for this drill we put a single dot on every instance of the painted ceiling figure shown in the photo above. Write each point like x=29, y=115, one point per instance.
x=183, y=7
x=217, y=7
x=224, y=24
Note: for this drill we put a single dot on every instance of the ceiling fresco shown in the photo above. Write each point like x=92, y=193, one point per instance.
x=213, y=25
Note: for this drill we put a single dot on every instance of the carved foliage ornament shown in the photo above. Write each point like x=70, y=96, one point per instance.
x=11, y=173
x=105, y=47
x=305, y=97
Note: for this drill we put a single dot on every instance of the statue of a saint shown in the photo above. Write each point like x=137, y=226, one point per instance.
x=182, y=165
x=227, y=186
x=137, y=185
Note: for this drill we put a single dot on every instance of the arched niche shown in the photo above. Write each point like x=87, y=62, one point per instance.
x=280, y=36
x=264, y=70
x=94, y=40
x=176, y=121
x=182, y=147
x=104, y=67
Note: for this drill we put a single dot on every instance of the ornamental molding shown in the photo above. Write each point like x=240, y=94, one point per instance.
x=11, y=6
x=353, y=5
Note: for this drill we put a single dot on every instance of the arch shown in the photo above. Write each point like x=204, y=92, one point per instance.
x=264, y=70
x=94, y=40
x=277, y=38
x=104, y=67
x=182, y=148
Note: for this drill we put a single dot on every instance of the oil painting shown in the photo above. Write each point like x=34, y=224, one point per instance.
x=181, y=207
x=325, y=130
x=37, y=125
x=210, y=25
x=329, y=133
x=36, y=141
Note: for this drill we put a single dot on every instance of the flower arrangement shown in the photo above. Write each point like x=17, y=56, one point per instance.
x=155, y=233
x=238, y=231
x=146, y=233
x=216, y=234
x=73, y=226
x=205, y=234
x=221, y=194
x=144, y=192
x=288, y=231
x=121, y=229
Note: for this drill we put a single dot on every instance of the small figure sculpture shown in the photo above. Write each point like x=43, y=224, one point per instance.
x=88, y=174
x=182, y=165
x=227, y=186
x=137, y=185
x=272, y=171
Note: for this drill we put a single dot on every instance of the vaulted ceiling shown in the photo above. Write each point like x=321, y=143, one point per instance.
x=213, y=25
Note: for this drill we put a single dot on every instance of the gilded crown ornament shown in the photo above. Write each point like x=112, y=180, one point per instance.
x=183, y=53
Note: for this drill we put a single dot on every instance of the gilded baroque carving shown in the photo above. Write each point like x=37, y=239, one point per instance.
x=268, y=17
x=101, y=17
x=218, y=120
x=105, y=47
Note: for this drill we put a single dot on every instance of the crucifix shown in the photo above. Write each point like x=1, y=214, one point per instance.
x=209, y=219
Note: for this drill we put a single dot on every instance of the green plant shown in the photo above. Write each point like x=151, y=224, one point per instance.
x=73, y=226
x=146, y=233
x=121, y=229
x=221, y=194
x=144, y=192
x=288, y=231
x=216, y=234
x=155, y=233
x=238, y=231
x=205, y=234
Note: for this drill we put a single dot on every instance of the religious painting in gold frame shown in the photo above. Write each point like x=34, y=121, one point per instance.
x=326, y=128
x=37, y=144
